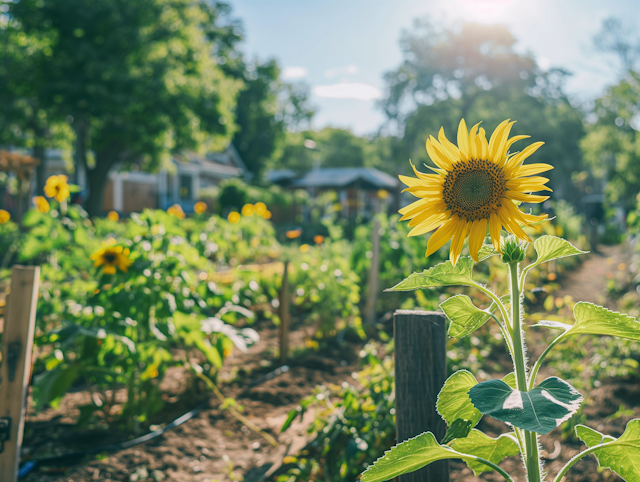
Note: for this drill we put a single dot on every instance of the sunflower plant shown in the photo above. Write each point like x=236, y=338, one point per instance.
x=476, y=186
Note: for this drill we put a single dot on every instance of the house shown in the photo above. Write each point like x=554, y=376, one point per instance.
x=132, y=191
x=359, y=188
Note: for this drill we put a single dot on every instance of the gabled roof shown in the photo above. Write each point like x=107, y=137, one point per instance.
x=343, y=177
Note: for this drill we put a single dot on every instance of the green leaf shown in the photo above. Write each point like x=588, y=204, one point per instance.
x=539, y=410
x=50, y=386
x=486, y=251
x=453, y=400
x=552, y=247
x=458, y=429
x=620, y=455
x=443, y=274
x=293, y=413
x=592, y=437
x=410, y=456
x=510, y=380
x=596, y=320
x=464, y=315
x=492, y=449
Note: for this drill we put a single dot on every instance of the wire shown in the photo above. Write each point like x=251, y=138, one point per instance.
x=31, y=464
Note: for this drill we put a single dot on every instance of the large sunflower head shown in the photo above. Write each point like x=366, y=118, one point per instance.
x=112, y=258
x=477, y=184
x=57, y=187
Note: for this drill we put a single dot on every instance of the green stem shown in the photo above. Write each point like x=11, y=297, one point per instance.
x=492, y=465
x=538, y=364
x=575, y=459
x=531, y=456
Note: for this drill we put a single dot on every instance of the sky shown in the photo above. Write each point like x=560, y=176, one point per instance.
x=342, y=48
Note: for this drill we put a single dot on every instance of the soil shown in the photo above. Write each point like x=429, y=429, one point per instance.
x=215, y=446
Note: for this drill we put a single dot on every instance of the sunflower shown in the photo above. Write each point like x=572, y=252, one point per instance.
x=57, y=187
x=200, y=207
x=41, y=204
x=112, y=258
x=477, y=184
x=233, y=217
x=176, y=211
x=4, y=216
x=113, y=216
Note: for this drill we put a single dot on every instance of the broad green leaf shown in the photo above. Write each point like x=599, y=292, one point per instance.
x=486, y=251
x=465, y=317
x=443, y=274
x=453, y=400
x=539, y=410
x=458, y=429
x=554, y=325
x=492, y=449
x=596, y=320
x=50, y=386
x=592, y=437
x=410, y=456
x=620, y=455
x=510, y=380
x=552, y=247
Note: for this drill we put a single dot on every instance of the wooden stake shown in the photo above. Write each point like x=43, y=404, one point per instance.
x=373, y=293
x=17, y=345
x=285, y=319
x=421, y=370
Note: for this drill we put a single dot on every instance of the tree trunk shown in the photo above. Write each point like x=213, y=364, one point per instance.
x=80, y=148
x=96, y=182
x=41, y=171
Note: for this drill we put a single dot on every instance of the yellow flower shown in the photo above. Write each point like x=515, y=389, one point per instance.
x=318, y=239
x=293, y=233
x=248, y=210
x=41, y=204
x=383, y=194
x=475, y=185
x=304, y=248
x=233, y=217
x=4, y=216
x=260, y=208
x=176, y=211
x=266, y=214
x=200, y=207
x=113, y=216
x=57, y=187
x=112, y=258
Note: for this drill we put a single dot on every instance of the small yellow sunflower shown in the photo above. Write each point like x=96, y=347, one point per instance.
x=113, y=216
x=41, y=204
x=176, y=211
x=233, y=217
x=248, y=210
x=57, y=187
x=476, y=185
x=4, y=216
x=260, y=208
x=111, y=258
x=200, y=207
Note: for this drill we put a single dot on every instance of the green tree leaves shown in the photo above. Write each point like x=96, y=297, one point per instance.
x=539, y=410
x=620, y=455
x=493, y=449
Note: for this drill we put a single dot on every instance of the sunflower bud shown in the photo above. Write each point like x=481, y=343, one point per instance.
x=513, y=251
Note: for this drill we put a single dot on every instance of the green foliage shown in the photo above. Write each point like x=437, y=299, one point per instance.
x=443, y=274
x=551, y=247
x=492, y=449
x=464, y=316
x=454, y=403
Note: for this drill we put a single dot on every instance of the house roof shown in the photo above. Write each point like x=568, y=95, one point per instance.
x=343, y=177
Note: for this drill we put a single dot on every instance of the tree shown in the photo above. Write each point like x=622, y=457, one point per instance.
x=136, y=76
x=473, y=72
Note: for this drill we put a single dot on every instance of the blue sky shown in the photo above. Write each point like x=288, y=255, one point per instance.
x=342, y=48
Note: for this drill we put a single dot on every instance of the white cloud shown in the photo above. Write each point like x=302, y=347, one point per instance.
x=346, y=70
x=347, y=91
x=294, y=73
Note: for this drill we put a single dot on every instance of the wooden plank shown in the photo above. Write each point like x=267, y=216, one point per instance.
x=372, y=295
x=285, y=319
x=17, y=346
x=421, y=370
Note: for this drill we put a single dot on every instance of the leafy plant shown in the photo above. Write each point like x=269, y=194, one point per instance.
x=530, y=408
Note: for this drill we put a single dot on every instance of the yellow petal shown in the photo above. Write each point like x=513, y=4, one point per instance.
x=525, y=198
x=427, y=177
x=528, y=184
x=473, y=151
x=450, y=148
x=429, y=225
x=496, y=138
x=482, y=147
x=432, y=210
x=502, y=148
x=412, y=207
x=510, y=221
x=463, y=141
x=503, y=160
x=476, y=237
x=519, y=158
x=441, y=236
x=494, y=230
x=457, y=242
x=528, y=170
x=439, y=158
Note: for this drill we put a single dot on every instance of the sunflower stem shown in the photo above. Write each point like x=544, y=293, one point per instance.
x=531, y=455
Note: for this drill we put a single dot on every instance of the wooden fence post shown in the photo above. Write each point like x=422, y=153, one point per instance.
x=285, y=319
x=372, y=295
x=17, y=345
x=421, y=370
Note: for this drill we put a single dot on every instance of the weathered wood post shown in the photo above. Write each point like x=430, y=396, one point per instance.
x=17, y=345
x=421, y=370
x=285, y=319
x=372, y=295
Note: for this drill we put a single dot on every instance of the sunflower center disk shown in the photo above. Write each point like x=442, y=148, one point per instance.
x=110, y=258
x=474, y=189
